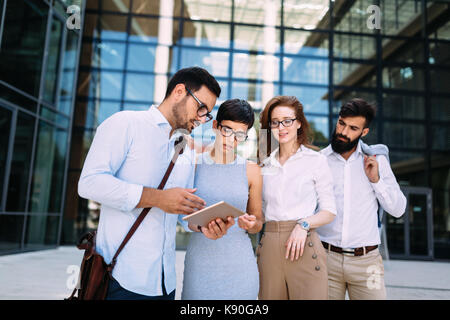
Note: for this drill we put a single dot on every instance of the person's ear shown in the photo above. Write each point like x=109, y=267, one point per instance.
x=215, y=124
x=179, y=92
x=365, y=132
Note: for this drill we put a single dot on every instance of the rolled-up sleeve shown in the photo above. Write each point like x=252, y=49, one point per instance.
x=105, y=157
x=387, y=190
x=323, y=180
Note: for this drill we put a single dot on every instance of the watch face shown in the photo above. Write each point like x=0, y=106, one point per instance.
x=305, y=224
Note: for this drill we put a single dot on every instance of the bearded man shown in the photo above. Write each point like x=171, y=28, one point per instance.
x=363, y=180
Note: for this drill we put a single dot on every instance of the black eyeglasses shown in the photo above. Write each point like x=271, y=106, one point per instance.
x=202, y=110
x=286, y=123
x=238, y=135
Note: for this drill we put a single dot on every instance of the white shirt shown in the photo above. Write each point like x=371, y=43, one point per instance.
x=356, y=223
x=130, y=150
x=295, y=190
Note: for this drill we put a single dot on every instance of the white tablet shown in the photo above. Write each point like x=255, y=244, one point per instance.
x=219, y=210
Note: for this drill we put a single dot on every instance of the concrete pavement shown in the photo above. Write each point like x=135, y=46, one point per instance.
x=47, y=275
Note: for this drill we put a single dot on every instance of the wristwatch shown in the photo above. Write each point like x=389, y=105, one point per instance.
x=303, y=224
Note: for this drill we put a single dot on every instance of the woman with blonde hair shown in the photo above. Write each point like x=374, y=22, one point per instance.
x=297, y=198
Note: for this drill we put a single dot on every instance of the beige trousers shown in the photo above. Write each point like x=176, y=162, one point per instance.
x=283, y=279
x=362, y=276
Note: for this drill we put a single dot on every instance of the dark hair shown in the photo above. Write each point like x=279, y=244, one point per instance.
x=236, y=110
x=358, y=107
x=193, y=78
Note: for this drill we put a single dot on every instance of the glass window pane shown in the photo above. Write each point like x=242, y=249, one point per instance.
x=23, y=42
x=5, y=127
x=216, y=62
x=441, y=140
x=354, y=74
x=440, y=53
x=67, y=82
x=148, y=30
x=153, y=8
x=399, y=14
x=20, y=165
x=109, y=55
x=256, y=66
x=408, y=78
x=442, y=30
x=403, y=107
x=53, y=59
x=139, y=87
x=104, y=85
x=440, y=109
x=319, y=128
x=258, y=12
x=306, y=43
x=41, y=231
x=11, y=230
x=404, y=135
x=440, y=175
x=114, y=5
x=49, y=165
x=105, y=26
x=257, y=94
x=216, y=10
x=17, y=98
x=203, y=34
x=92, y=112
x=306, y=14
x=440, y=79
x=305, y=70
x=55, y=117
x=403, y=51
x=141, y=57
x=314, y=100
x=355, y=47
x=257, y=39
x=352, y=16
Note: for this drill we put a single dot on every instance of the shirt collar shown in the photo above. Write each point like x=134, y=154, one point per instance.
x=273, y=156
x=158, y=116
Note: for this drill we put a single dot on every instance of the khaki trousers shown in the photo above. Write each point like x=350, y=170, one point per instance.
x=283, y=279
x=362, y=276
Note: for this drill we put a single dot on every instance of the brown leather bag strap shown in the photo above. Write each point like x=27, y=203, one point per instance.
x=180, y=143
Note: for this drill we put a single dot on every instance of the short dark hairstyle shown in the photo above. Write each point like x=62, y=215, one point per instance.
x=236, y=110
x=193, y=78
x=359, y=107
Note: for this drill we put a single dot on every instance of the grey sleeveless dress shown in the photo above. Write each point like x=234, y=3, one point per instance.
x=226, y=268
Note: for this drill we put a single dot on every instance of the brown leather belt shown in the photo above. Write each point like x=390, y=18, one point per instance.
x=349, y=251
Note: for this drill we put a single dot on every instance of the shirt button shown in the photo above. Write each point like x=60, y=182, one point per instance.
x=317, y=268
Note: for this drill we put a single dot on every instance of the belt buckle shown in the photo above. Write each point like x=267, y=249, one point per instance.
x=348, y=252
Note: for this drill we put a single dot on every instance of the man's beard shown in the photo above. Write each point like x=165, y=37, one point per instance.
x=180, y=115
x=340, y=146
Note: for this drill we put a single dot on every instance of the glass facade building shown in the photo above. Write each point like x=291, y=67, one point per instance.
x=38, y=68
x=321, y=51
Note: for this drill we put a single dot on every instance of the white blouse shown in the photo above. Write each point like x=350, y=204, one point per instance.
x=299, y=188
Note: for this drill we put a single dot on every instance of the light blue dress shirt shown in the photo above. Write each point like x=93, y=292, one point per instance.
x=130, y=150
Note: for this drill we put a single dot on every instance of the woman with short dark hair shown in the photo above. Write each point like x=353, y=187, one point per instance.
x=225, y=269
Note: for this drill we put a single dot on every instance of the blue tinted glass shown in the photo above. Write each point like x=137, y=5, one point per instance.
x=305, y=70
x=110, y=55
x=139, y=87
x=141, y=57
x=314, y=100
x=216, y=62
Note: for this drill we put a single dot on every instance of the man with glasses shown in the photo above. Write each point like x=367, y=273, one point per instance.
x=126, y=162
